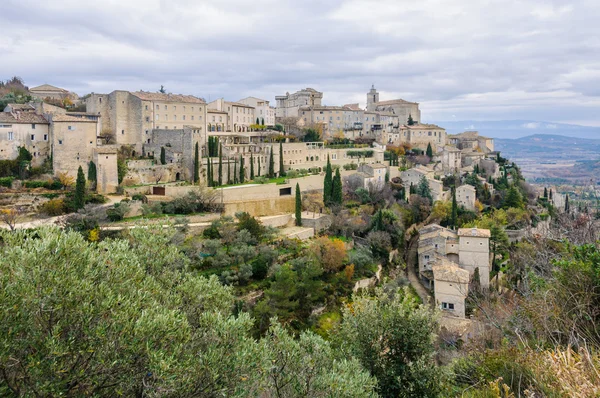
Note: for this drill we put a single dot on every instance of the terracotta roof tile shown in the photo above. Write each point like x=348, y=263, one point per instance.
x=22, y=118
x=147, y=96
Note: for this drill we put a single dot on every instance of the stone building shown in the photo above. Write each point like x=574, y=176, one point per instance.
x=48, y=91
x=466, y=196
x=127, y=118
x=403, y=109
x=421, y=135
x=288, y=105
x=217, y=120
x=451, y=287
x=239, y=116
x=412, y=177
x=328, y=119
x=73, y=143
x=451, y=160
x=370, y=175
x=263, y=112
x=461, y=253
x=471, y=140
x=24, y=129
x=107, y=177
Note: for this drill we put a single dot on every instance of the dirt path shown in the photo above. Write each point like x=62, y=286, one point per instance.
x=411, y=262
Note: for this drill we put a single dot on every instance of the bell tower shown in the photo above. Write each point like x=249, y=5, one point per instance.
x=372, y=99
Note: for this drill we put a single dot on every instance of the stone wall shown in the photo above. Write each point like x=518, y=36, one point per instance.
x=107, y=178
x=74, y=144
x=151, y=172
x=39, y=147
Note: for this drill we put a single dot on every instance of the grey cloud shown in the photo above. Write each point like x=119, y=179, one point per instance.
x=527, y=59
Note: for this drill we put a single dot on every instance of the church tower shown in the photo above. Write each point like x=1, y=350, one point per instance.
x=372, y=99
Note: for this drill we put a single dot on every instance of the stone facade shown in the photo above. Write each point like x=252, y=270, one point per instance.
x=239, y=116
x=24, y=129
x=288, y=105
x=451, y=287
x=370, y=175
x=471, y=140
x=401, y=108
x=48, y=91
x=474, y=252
x=262, y=110
x=73, y=143
x=451, y=160
x=107, y=179
x=466, y=196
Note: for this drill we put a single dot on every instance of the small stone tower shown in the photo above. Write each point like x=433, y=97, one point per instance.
x=372, y=99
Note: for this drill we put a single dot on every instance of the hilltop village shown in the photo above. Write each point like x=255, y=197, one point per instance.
x=159, y=144
x=245, y=248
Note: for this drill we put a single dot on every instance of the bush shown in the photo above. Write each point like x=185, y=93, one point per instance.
x=261, y=180
x=6, y=181
x=54, y=207
x=95, y=199
x=117, y=213
x=51, y=184
x=350, y=166
x=292, y=174
x=141, y=197
x=154, y=208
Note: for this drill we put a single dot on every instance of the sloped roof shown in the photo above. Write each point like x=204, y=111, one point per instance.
x=476, y=232
x=74, y=119
x=444, y=270
x=22, y=118
x=167, y=97
x=49, y=87
x=398, y=101
x=353, y=107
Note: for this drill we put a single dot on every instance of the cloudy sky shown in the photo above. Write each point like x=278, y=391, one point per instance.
x=461, y=59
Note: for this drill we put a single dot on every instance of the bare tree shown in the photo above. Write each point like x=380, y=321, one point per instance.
x=11, y=216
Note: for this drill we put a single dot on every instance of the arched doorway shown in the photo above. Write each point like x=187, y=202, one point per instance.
x=177, y=177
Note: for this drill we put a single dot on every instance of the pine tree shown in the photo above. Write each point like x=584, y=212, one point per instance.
x=410, y=121
x=271, y=165
x=242, y=171
x=454, y=214
x=163, y=155
x=235, y=173
x=220, y=164
x=429, y=151
x=196, y=164
x=258, y=171
x=327, y=183
x=92, y=172
x=336, y=191
x=281, y=169
x=79, y=197
x=513, y=198
x=298, y=206
x=251, y=166
x=567, y=204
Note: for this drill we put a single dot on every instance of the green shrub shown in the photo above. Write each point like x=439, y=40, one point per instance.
x=140, y=196
x=117, y=213
x=6, y=181
x=291, y=174
x=350, y=166
x=54, y=207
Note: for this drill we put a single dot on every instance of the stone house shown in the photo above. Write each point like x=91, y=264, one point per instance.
x=239, y=116
x=127, y=118
x=73, y=143
x=403, y=109
x=262, y=110
x=413, y=177
x=471, y=140
x=451, y=287
x=48, y=91
x=24, y=129
x=466, y=249
x=370, y=175
x=451, y=159
x=466, y=196
x=421, y=135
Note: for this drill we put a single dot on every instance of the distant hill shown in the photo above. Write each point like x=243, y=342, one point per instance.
x=550, y=145
x=519, y=128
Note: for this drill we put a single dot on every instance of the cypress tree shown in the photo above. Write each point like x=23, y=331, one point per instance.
x=209, y=179
x=251, y=166
x=258, y=173
x=229, y=171
x=550, y=194
x=429, y=151
x=327, y=183
x=163, y=155
x=235, y=176
x=92, y=173
x=263, y=121
x=196, y=164
x=545, y=192
x=220, y=164
x=257, y=121
x=242, y=171
x=79, y=197
x=410, y=121
x=387, y=177
x=271, y=165
x=298, y=206
x=454, y=214
x=281, y=169
x=336, y=191
x=567, y=205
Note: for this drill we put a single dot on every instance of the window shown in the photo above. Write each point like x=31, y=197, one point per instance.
x=165, y=107
x=156, y=107
x=192, y=117
x=146, y=132
x=11, y=136
x=174, y=117
x=45, y=137
x=146, y=107
x=448, y=306
x=70, y=127
x=122, y=131
x=33, y=126
x=147, y=118
x=192, y=109
x=59, y=142
x=183, y=117
x=32, y=137
x=100, y=100
x=156, y=117
x=174, y=107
